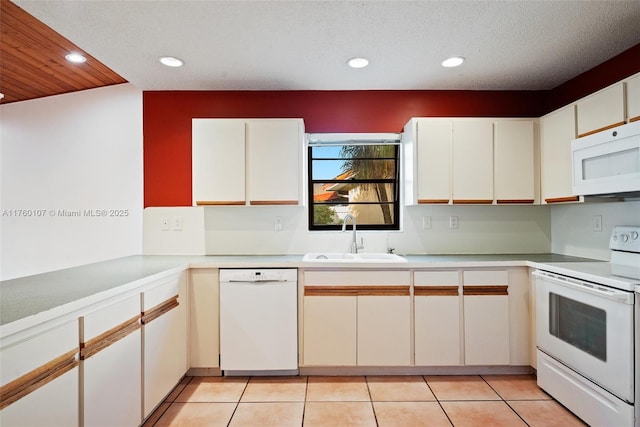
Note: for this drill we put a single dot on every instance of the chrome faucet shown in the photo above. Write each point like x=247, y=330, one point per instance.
x=354, y=244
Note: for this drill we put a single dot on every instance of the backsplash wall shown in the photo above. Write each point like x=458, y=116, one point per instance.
x=235, y=230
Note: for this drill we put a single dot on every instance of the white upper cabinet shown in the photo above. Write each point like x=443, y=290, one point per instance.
x=433, y=160
x=218, y=161
x=633, y=98
x=247, y=161
x=472, y=161
x=557, y=129
x=514, y=161
x=274, y=161
x=601, y=110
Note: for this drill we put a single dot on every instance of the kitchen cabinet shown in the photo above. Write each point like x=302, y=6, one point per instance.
x=204, y=320
x=110, y=353
x=633, y=98
x=437, y=318
x=557, y=130
x=472, y=161
x=601, y=110
x=164, y=332
x=247, y=161
x=486, y=317
x=514, y=162
x=428, y=144
x=39, y=378
x=356, y=318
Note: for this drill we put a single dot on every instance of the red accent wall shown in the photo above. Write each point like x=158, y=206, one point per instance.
x=615, y=69
x=167, y=120
x=167, y=115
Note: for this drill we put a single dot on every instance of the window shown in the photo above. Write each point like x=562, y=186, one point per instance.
x=356, y=178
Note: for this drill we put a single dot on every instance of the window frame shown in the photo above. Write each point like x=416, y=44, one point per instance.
x=395, y=182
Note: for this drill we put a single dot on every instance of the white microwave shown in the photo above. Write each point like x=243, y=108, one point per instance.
x=607, y=162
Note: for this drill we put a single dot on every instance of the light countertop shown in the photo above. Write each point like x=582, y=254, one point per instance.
x=32, y=295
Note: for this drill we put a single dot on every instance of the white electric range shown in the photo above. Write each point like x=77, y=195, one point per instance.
x=588, y=336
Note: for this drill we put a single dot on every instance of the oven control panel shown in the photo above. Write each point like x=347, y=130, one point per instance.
x=625, y=238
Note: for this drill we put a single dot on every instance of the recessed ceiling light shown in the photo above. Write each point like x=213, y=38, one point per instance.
x=454, y=61
x=358, y=62
x=75, y=57
x=170, y=61
x=1, y=95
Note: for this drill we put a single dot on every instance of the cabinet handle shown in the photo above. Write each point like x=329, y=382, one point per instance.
x=514, y=201
x=601, y=129
x=486, y=290
x=562, y=199
x=31, y=381
x=472, y=201
x=435, y=291
x=104, y=340
x=433, y=201
x=159, y=310
x=220, y=202
x=390, y=290
x=272, y=202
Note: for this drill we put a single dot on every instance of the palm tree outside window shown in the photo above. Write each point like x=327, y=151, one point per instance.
x=361, y=179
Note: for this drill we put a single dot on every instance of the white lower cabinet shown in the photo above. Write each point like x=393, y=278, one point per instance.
x=437, y=318
x=110, y=352
x=330, y=337
x=39, y=377
x=204, y=318
x=356, y=318
x=164, y=332
x=486, y=317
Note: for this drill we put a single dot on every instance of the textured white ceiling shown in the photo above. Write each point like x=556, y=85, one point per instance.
x=303, y=45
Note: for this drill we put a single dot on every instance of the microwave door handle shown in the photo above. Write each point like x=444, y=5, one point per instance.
x=582, y=286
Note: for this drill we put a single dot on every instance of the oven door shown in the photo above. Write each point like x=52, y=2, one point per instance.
x=589, y=328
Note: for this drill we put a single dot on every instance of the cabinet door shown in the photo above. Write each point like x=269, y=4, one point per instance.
x=384, y=329
x=39, y=378
x=329, y=333
x=557, y=130
x=204, y=303
x=164, y=321
x=433, y=145
x=486, y=318
x=273, y=163
x=473, y=161
x=111, y=364
x=437, y=318
x=218, y=161
x=633, y=98
x=514, y=176
x=600, y=111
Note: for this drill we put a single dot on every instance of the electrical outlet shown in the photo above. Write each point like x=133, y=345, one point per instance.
x=177, y=223
x=277, y=225
x=453, y=222
x=426, y=222
x=597, y=223
x=164, y=224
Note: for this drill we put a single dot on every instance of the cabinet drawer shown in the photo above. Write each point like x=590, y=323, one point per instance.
x=356, y=278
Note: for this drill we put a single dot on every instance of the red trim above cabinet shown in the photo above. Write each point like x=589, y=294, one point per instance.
x=167, y=120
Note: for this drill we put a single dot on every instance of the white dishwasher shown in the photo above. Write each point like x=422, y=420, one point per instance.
x=258, y=321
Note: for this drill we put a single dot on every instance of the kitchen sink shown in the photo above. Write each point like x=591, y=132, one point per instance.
x=371, y=257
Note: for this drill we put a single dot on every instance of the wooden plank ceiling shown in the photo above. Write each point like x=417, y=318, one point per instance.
x=32, y=63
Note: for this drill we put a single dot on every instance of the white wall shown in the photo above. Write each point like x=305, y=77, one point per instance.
x=74, y=152
x=572, y=227
x=241, y=230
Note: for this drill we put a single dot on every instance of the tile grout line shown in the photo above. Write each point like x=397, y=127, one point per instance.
x=373, y=408
x=239, y=399
x=505, y=402
x=437, y=400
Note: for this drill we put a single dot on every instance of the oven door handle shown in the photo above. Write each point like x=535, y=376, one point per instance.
x=588, y=287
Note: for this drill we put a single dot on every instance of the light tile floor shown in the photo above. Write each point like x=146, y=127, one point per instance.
x=413, y=401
